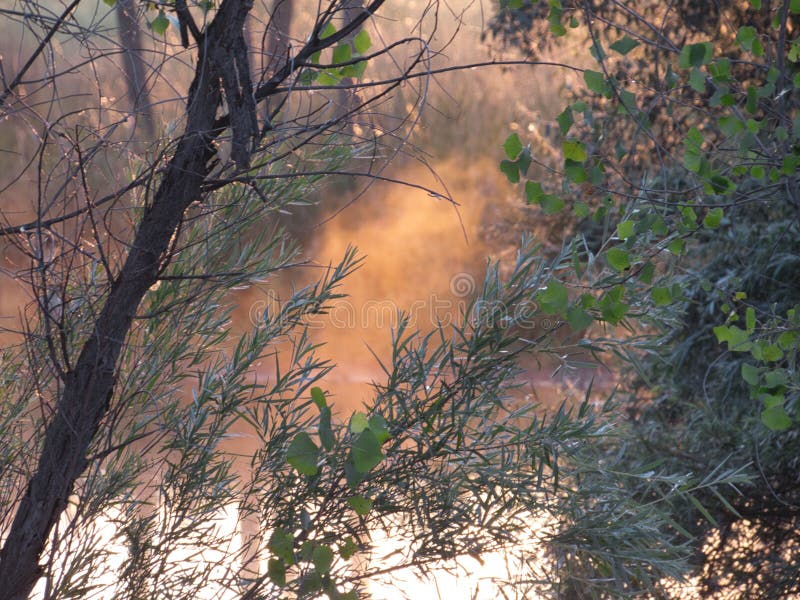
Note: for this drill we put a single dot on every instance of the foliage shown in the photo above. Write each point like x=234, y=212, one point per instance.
x=127, y=385
x=682, y=153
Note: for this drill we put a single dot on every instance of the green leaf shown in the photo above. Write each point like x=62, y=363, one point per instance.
x=713, y=218
x=575, y=171
x=110, y=2
x=366, y=452
x=597, y=52
x=646, y=273
x=703, y=510
x=318, y=396
x=756, y=4
x=775, y=418
x=512, y=146
x=693, y=153
x=737, y=339
x=578, y=319
x=750, y=319
x=362, y=42
x=524, y=161
x=597, y=82
x=358, y=422
x=625, y=229
x=771, y=353
x=565, y=121
x=327, y=31
x=352, y=475
x=746, y=36
x=342, y=53
x=533, y=192
x=356, y=70
x=697, y=81
x=677, y=247
x=360, y=505
x=662, y=296
x=160, y=23
x=553, y=299
x=611, y=306
x=574, y=150
x=752, y=100
x=750, y=374
x=322, y=557
x=276, y=571
x=776, y=378
x=624, y=45
x=510, y=170
x=794, y=6
x=328, y=77
x=281, y=544
x=587, y=301
x=325, y=430
x=349, y=548
x=551, y=204
x=619, y=259
x=581, y=209
x=628, y=100
x=380, y=428
x=695, y=55
x=307, y=77
x=306, y=549
x=787, y=340
x=303, y=454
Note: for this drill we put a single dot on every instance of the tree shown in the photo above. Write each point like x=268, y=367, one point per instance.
x=680, y=166
x=130, y=35
x=128, y=271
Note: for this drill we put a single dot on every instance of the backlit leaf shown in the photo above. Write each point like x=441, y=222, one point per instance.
x=624, y=45
x=360, y=505
x=366, y=451
x=512, y=146
x=303, y=454
x=362, y=42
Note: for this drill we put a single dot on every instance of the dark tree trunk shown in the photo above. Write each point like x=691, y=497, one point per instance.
x=88, y=387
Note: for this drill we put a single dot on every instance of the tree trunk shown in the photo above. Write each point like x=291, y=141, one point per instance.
x=88, y=387
x=278, y=35
x=134, y=67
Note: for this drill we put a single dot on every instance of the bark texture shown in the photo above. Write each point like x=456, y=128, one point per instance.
x=88, y=387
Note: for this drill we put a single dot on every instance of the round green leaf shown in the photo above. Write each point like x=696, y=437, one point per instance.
x=619, y=259
x=160, y=23
x=625, y=229
x=360, y=504
x=554, y=298
x=358, y=422
x=322, y=557
x=366, y=452
x=362, y=42
x=303, y=454
x=276, y=571
x=775, y=418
